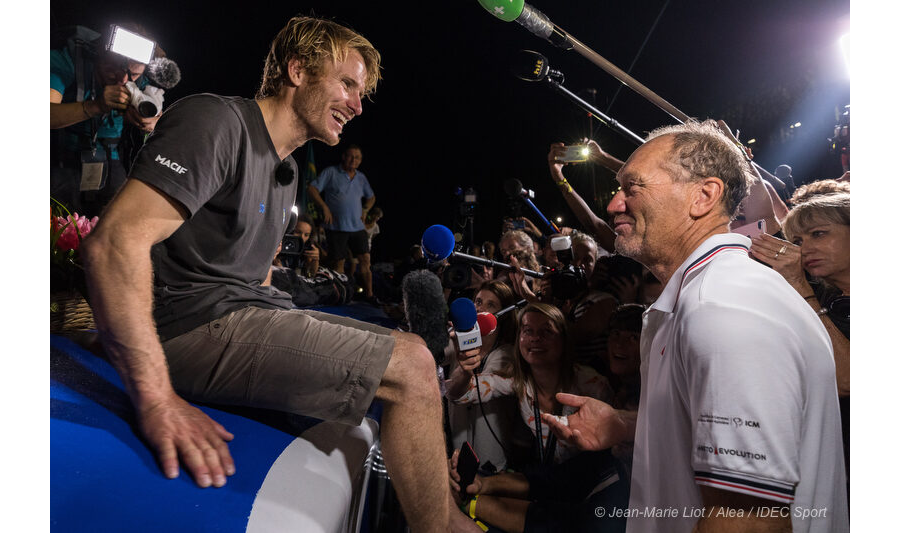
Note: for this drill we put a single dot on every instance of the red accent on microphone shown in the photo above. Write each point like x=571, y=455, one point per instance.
x=487, y=323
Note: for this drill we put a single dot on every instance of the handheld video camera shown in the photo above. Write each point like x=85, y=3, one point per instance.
x=148, y=102
x=161, y=73
x=293, y=246
x=566, y=281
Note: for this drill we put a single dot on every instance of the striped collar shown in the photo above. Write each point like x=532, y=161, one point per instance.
x=710, y=248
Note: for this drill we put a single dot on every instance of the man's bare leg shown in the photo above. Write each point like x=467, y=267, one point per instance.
x=412, y=435
x=339, y=265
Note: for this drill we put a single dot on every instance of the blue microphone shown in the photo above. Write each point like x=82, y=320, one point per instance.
x=465, y=321
x=438, y=243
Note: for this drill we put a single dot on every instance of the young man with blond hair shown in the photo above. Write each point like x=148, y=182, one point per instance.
x=177, y=264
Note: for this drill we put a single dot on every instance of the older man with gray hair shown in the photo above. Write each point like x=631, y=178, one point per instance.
x=738, y=426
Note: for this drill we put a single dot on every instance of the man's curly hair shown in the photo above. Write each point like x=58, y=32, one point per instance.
x=314, y=41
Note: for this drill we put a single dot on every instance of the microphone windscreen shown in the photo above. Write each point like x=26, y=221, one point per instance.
x=437, y=243
x=163, y=72
x=487, y=323
x=284, y=173
x=506, y=10
x=426, y=310
x=463, y=314
x=513, y=187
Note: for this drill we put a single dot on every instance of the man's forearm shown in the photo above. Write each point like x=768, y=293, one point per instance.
x=120, y=279
x=317, y=198
x=514, y=485
x=602, y=232
x=458, y=383
x=63, y=115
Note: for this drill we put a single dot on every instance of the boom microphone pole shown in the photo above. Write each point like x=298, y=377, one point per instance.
x=538, y=24
x=513, y=187
x=437, y=245
x=533, y=66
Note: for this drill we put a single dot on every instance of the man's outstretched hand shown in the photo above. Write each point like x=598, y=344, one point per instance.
x=175, y=430
x=594, y=426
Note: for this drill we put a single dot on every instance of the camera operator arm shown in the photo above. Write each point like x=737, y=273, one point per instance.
x=597, y=226
x=518, y=284
x=311, y=260
x=66, y=114
x=145, y=124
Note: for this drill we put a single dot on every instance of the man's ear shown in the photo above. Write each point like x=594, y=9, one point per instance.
x=706, y=196
x=296, y=73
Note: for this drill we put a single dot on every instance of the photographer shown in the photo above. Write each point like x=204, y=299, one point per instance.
x=89, y=105
x=296, y=270
x=307, y=262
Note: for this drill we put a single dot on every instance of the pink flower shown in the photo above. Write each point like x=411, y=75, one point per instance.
x=69, y=238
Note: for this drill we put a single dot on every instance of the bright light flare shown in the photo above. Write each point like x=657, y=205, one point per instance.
x=845, y=49
x=131, y=45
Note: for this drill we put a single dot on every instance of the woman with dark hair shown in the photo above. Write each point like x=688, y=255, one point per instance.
x=818, y=245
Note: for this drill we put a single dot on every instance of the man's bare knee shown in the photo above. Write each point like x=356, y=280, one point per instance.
x=411, y=372
x=408, y=337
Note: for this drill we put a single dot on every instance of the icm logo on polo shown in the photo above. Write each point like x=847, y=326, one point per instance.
x=166, y=162
x=741, y=422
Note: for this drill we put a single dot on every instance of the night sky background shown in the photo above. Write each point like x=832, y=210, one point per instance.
x=449, y=113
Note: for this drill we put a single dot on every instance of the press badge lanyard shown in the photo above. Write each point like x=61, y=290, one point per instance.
x=546, y=455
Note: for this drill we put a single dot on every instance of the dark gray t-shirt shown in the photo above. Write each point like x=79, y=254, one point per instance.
x=213, y=154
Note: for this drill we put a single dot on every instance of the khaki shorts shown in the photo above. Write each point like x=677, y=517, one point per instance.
x=297, y=361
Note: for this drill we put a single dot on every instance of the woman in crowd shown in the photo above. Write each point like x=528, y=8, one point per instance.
x=485, y=426
x=542, y=366
x=818, y=244
x=562, y=488
x=587, y=311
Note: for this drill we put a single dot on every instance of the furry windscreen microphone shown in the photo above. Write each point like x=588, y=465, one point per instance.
x=284, y=173
x=513, y=187
x=163, y=73
x=426, y=310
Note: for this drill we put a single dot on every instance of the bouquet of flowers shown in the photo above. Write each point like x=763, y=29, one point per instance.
x=67, y=230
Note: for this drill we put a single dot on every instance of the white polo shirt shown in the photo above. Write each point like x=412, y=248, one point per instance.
x=738, y=393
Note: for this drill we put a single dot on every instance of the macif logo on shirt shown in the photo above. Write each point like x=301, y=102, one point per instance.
x=166, y=162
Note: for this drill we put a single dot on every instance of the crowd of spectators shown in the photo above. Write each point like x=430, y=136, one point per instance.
x=575, y=337
x=588, y=342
